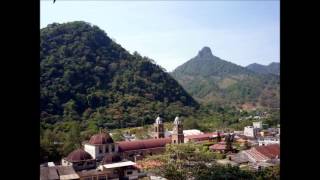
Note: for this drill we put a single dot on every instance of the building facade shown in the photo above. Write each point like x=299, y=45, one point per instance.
x=177, y=136
x=100, y=145
x=158, y=128
x=250, y=131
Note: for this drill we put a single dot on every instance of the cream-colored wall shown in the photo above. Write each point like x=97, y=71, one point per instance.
x=250, y=131
x=92, y=150
x=65, y=163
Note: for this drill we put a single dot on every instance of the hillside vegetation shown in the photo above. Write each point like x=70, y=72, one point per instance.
x=212, y=80
x=272, y=68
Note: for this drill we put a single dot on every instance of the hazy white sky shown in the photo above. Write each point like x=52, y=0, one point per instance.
x=172, y=32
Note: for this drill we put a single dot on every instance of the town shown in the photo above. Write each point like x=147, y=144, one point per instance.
x=101, y=158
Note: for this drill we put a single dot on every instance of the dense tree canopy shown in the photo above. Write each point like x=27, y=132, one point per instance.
x=89, y=80
x=85, y=76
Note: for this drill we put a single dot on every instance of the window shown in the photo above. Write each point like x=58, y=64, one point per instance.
x=112, y=146
x=100, y=149
x=87, y=178
x=174, y=141
x=107, y=149
x=129, y=172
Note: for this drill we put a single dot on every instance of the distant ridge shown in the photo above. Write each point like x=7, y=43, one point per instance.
x=210, y=79
x=272, y=68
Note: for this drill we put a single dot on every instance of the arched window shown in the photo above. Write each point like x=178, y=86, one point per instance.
x=112, y=148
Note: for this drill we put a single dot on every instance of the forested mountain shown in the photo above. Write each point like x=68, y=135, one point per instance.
x=272, y=68
x=210, y=79
x=87, y=77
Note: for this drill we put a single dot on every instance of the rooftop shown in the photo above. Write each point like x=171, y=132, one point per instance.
x=78, y=155
x=271, y=151
x=218, y=147
x=188, y=132
x=206, y=135
x=119, y=164
x=101, y=138
x=67, y=172
x=48, y=173
x=91, y=172
x=143, y=144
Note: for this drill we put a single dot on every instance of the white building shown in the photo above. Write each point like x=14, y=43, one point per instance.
x=250, y=131
x=100, y=145
x=188, y=132
x=268, y=140
x=257, y=124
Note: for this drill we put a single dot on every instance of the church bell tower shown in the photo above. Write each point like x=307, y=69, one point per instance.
x=177, y=133
x=158, y=128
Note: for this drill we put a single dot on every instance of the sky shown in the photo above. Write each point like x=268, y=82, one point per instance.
x=172, y=32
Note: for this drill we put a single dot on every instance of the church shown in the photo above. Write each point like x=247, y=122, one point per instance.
x=102, y=149
x=103, y=158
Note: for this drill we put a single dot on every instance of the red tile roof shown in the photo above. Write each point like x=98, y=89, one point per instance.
x=203, y=136
x=101, y=138
x=143, y=144
x=271, y=151
x=263, y=153
x=78, y=155
x=218, y=147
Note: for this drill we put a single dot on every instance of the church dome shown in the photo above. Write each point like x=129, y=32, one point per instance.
x=78, y=155
x=101, y=138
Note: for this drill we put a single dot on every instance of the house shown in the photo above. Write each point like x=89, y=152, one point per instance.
x=67, y=173
x=268, y=153
x=268, y=140
x=100, y=145
x=123, y=169
x=219, y=147
x=94, y=174
x=49, y=173
x=250, y=131
x=203, y=137
x=58, y=173
x=79, y=159
x=258, y=157
x=257, y=124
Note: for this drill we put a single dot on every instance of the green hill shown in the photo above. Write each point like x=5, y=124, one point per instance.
x=210, y=79
x=272, y=68
x=87, y=77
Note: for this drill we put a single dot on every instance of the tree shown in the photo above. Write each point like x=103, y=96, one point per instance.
x=73, y=138
x=170, y=172
x=70, y=113
x=117, y=136
x=191, y=123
